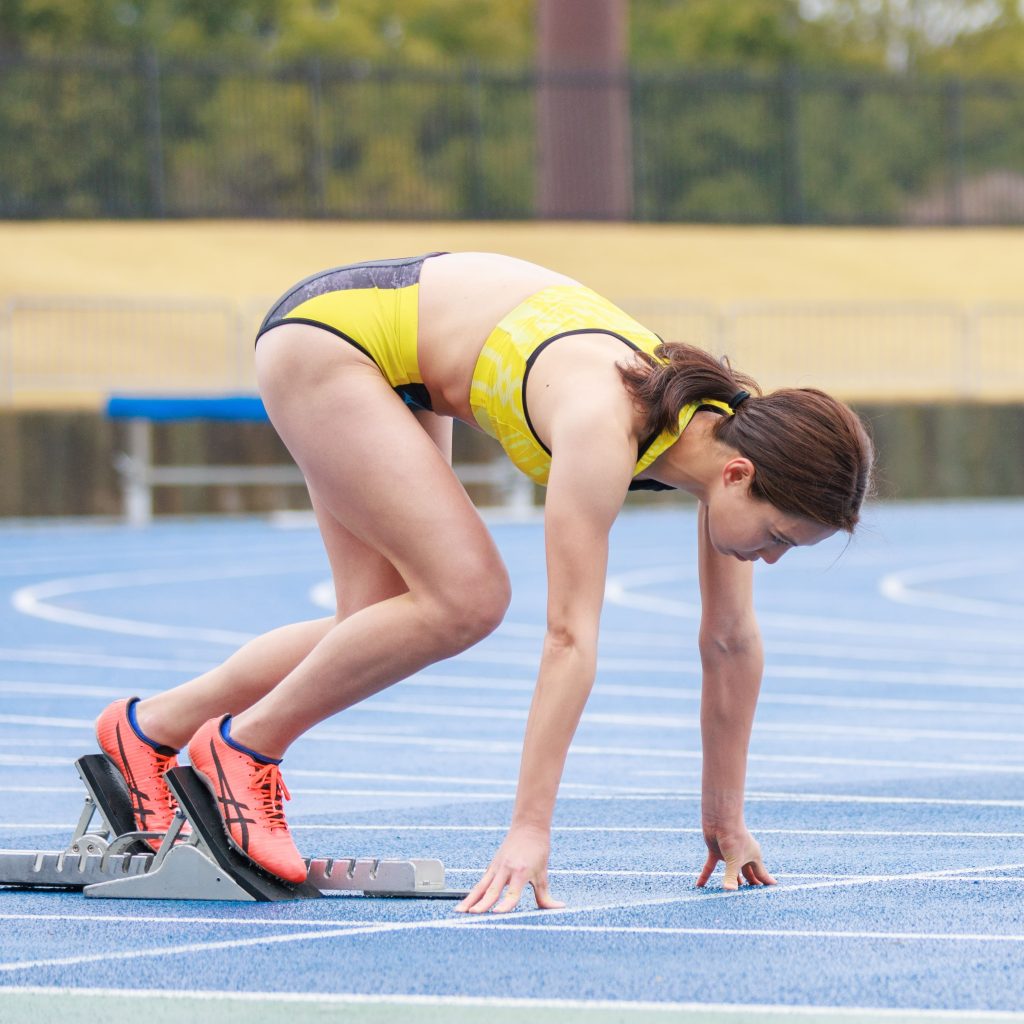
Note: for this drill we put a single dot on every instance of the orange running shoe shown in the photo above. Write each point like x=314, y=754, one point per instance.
x=143, y=764
x=248, y=789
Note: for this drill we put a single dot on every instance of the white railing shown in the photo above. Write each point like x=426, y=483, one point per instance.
x=75, y=351
x=139, y=476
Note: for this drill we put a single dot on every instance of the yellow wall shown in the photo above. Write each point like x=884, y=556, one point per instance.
x=245, y=260
x=214, y=280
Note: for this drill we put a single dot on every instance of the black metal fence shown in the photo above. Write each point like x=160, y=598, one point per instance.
x=104, y=136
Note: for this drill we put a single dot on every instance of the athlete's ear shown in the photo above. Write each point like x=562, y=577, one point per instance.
x=738, y=471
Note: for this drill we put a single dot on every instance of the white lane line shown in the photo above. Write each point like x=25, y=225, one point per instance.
x=39, y=741
x=649, y=829
x=775, y=933
x=927, y=654
x=882, y=1013
x=270, y=922
x=404, y=794
x=561, y=872
x=793, y=728
x=904, y=588
x=32, y=761
x=511, y=925
x=394, y=829
x=768, y=891
x=687, y=873
x=680, y=773
x=39, y=690
x=595, y=793
x=983, y=661
x=35, y=600
x=122, y=548
x=853, y=798
x=981, y=679
x=399, y=737
x=680, y=722
x=618, y=591
x=88, y=658
x=313, y=773
x=578, y=749
x=34, y=826
x=551, y=916
x=47, y=721
x=492, y=748
x=185, y=948
x=487, y=685
x=265, y=922
x=689, y=722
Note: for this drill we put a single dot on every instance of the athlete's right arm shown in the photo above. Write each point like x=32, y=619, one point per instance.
x=590, y=475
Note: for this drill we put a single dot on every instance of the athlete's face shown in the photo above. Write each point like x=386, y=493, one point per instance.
x=749, y=529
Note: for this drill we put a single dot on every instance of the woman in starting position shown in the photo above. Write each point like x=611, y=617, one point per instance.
x=362, y=370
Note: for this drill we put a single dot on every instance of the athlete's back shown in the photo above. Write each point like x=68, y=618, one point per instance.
x=462, y=298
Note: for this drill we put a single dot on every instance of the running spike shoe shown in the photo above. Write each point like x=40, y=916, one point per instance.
x=143, y=765
x=249, y=791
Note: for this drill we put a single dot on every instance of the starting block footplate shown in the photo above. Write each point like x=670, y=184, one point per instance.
x=106, y=863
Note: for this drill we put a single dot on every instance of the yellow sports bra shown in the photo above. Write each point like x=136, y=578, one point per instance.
x=498, y=392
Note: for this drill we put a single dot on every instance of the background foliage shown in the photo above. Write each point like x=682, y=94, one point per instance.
x=751, y=111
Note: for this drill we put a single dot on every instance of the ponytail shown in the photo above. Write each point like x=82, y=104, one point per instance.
x=679, y=375
x=811, y=453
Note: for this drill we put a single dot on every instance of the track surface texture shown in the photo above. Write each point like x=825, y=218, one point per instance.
x=885, y=785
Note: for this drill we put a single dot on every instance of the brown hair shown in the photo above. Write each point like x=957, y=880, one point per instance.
x=812, y=455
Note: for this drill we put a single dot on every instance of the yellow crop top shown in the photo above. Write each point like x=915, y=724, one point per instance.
x=497, y=396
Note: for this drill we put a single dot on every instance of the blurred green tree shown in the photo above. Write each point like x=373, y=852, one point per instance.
x=411, y=31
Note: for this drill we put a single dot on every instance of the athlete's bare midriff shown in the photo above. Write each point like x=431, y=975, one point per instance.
x=462, y=298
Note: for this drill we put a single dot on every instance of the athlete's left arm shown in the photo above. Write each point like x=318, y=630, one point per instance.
x=590, y=473
x=732, y=660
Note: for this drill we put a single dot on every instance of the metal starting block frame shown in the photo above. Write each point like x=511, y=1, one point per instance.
x=195, y=860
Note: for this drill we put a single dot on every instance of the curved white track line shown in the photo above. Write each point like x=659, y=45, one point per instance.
x=902, y=587
x=34, y=600
x=618, y=591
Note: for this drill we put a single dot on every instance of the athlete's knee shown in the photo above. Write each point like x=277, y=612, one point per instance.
x=472, y=606
x=489, y=600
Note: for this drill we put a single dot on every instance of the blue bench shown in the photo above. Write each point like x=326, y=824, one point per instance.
x=135, y=467
x=157, y=409
x=139, y=476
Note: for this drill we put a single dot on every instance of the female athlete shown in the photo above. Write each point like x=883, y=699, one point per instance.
x=362, y=370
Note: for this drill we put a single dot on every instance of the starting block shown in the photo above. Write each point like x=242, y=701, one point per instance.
x=111, y=860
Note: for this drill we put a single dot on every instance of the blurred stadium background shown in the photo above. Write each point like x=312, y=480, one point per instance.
x=831, y=192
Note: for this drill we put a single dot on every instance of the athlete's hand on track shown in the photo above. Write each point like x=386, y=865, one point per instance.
x=522, y=860
x=741, y=853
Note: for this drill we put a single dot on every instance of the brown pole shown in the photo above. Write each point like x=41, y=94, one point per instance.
x=583, y=124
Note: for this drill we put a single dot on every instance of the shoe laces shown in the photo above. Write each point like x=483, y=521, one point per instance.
x=161, y=792
x=270, y=786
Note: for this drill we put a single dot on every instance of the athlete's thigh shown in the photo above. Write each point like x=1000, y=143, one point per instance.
x=376, y=469
x=439, y=429
x=362, y=575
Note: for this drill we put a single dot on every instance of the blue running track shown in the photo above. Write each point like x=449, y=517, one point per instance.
x=886, y=786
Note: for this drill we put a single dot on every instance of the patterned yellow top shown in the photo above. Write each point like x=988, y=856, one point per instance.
x=498, y=392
